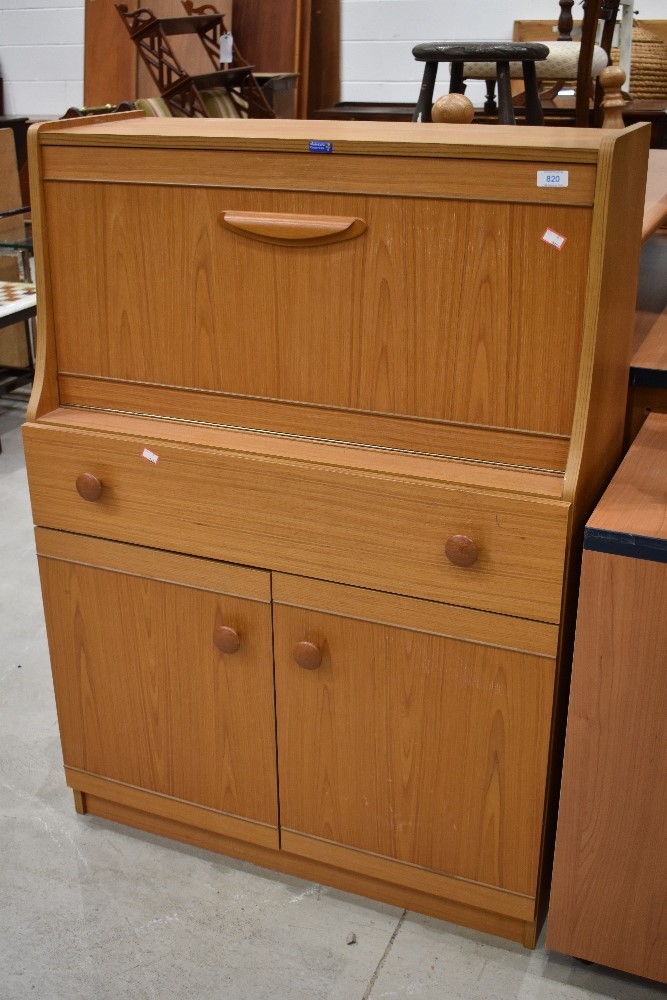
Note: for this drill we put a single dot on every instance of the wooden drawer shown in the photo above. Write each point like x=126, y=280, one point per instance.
x=328, y=521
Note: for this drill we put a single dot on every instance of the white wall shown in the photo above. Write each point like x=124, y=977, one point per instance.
x=41, y=45
x=41, y=56
x=378, y=36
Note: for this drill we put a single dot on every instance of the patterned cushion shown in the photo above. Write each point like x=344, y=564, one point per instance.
x=219, y=104
x=154, y=107
x=560, y=64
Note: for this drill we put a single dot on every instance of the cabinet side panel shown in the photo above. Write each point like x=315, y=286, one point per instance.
x=610, y=868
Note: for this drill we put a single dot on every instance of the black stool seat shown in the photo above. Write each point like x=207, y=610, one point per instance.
x=502, y=53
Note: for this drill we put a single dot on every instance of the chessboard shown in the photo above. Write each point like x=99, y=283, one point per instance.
x=17, y=301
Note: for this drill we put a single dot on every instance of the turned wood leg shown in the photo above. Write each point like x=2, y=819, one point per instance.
x=490, y=106
x=505, y=108
x=534, y=113
x=423, y=110
x=456, y=84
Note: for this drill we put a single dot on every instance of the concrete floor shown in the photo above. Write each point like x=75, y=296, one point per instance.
x=93, y=910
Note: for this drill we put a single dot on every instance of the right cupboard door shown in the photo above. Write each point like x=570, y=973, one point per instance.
x=413, y=732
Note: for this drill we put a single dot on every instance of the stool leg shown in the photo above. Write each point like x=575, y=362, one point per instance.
x=534, y=113
x=505, y=109
x=456, y=84
x=490, y=106
x=423, y=110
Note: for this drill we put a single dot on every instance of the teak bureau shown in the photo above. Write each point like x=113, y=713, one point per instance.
x=320, y=412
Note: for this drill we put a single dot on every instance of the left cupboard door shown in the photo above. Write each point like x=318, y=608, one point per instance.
x=163, y=674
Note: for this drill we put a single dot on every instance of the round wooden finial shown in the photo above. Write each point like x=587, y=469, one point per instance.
x=453, y=109
x=611, y=80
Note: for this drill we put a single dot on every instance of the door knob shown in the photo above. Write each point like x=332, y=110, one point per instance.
x=226, y=639
x=88, y=487
x=307, y=655
x=461, y=550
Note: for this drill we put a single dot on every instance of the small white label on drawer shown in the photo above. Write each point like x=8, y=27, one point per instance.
x=554, y=239
x=226, y=47
x=150, y=455
x=553, y=178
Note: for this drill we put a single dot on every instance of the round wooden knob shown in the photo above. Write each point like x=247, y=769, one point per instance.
x=307, y=655
x=226, y=639
x=88, y=487
x=453, y=109
x=461, y=550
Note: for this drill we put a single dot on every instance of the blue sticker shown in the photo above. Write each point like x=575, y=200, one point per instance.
x=317, y=146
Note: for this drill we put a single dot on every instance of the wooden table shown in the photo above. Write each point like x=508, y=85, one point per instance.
x=610, y=869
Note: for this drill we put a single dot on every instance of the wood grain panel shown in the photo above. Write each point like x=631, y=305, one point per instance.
x=410, y=897
x=361, y=325
x=462, y=178
x=610, y=869
x=522, y=451
x=484, y=475
x=455, y=889
x=597, y=429
x=203, y=574
x=110, y=57
x=305, y=518
x=504, y=142
x=416, y=747
x=145, y=698
x=636, y=502
x=87, y=786
x=500, y=631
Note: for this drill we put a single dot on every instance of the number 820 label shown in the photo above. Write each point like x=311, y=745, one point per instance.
x=553, y=178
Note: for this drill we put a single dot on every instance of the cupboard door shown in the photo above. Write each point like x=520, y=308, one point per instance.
x=412, y=746
x=150, y=689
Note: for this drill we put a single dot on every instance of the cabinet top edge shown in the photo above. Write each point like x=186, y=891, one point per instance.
x=332, y=137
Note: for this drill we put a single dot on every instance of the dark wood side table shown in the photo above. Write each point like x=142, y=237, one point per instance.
x=610, y=867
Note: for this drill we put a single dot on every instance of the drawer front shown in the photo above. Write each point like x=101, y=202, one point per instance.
x=386, y=532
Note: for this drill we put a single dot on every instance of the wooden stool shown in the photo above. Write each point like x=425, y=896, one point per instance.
x=501, y=53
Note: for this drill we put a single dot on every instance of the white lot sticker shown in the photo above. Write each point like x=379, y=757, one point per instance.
x=150, y=455
x=554, y=239
x=553, y=178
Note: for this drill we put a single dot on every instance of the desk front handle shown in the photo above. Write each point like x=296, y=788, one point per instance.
x=288, y=229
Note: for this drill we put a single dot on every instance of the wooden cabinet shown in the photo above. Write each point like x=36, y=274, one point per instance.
x=313, y=388
x=610, y=868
